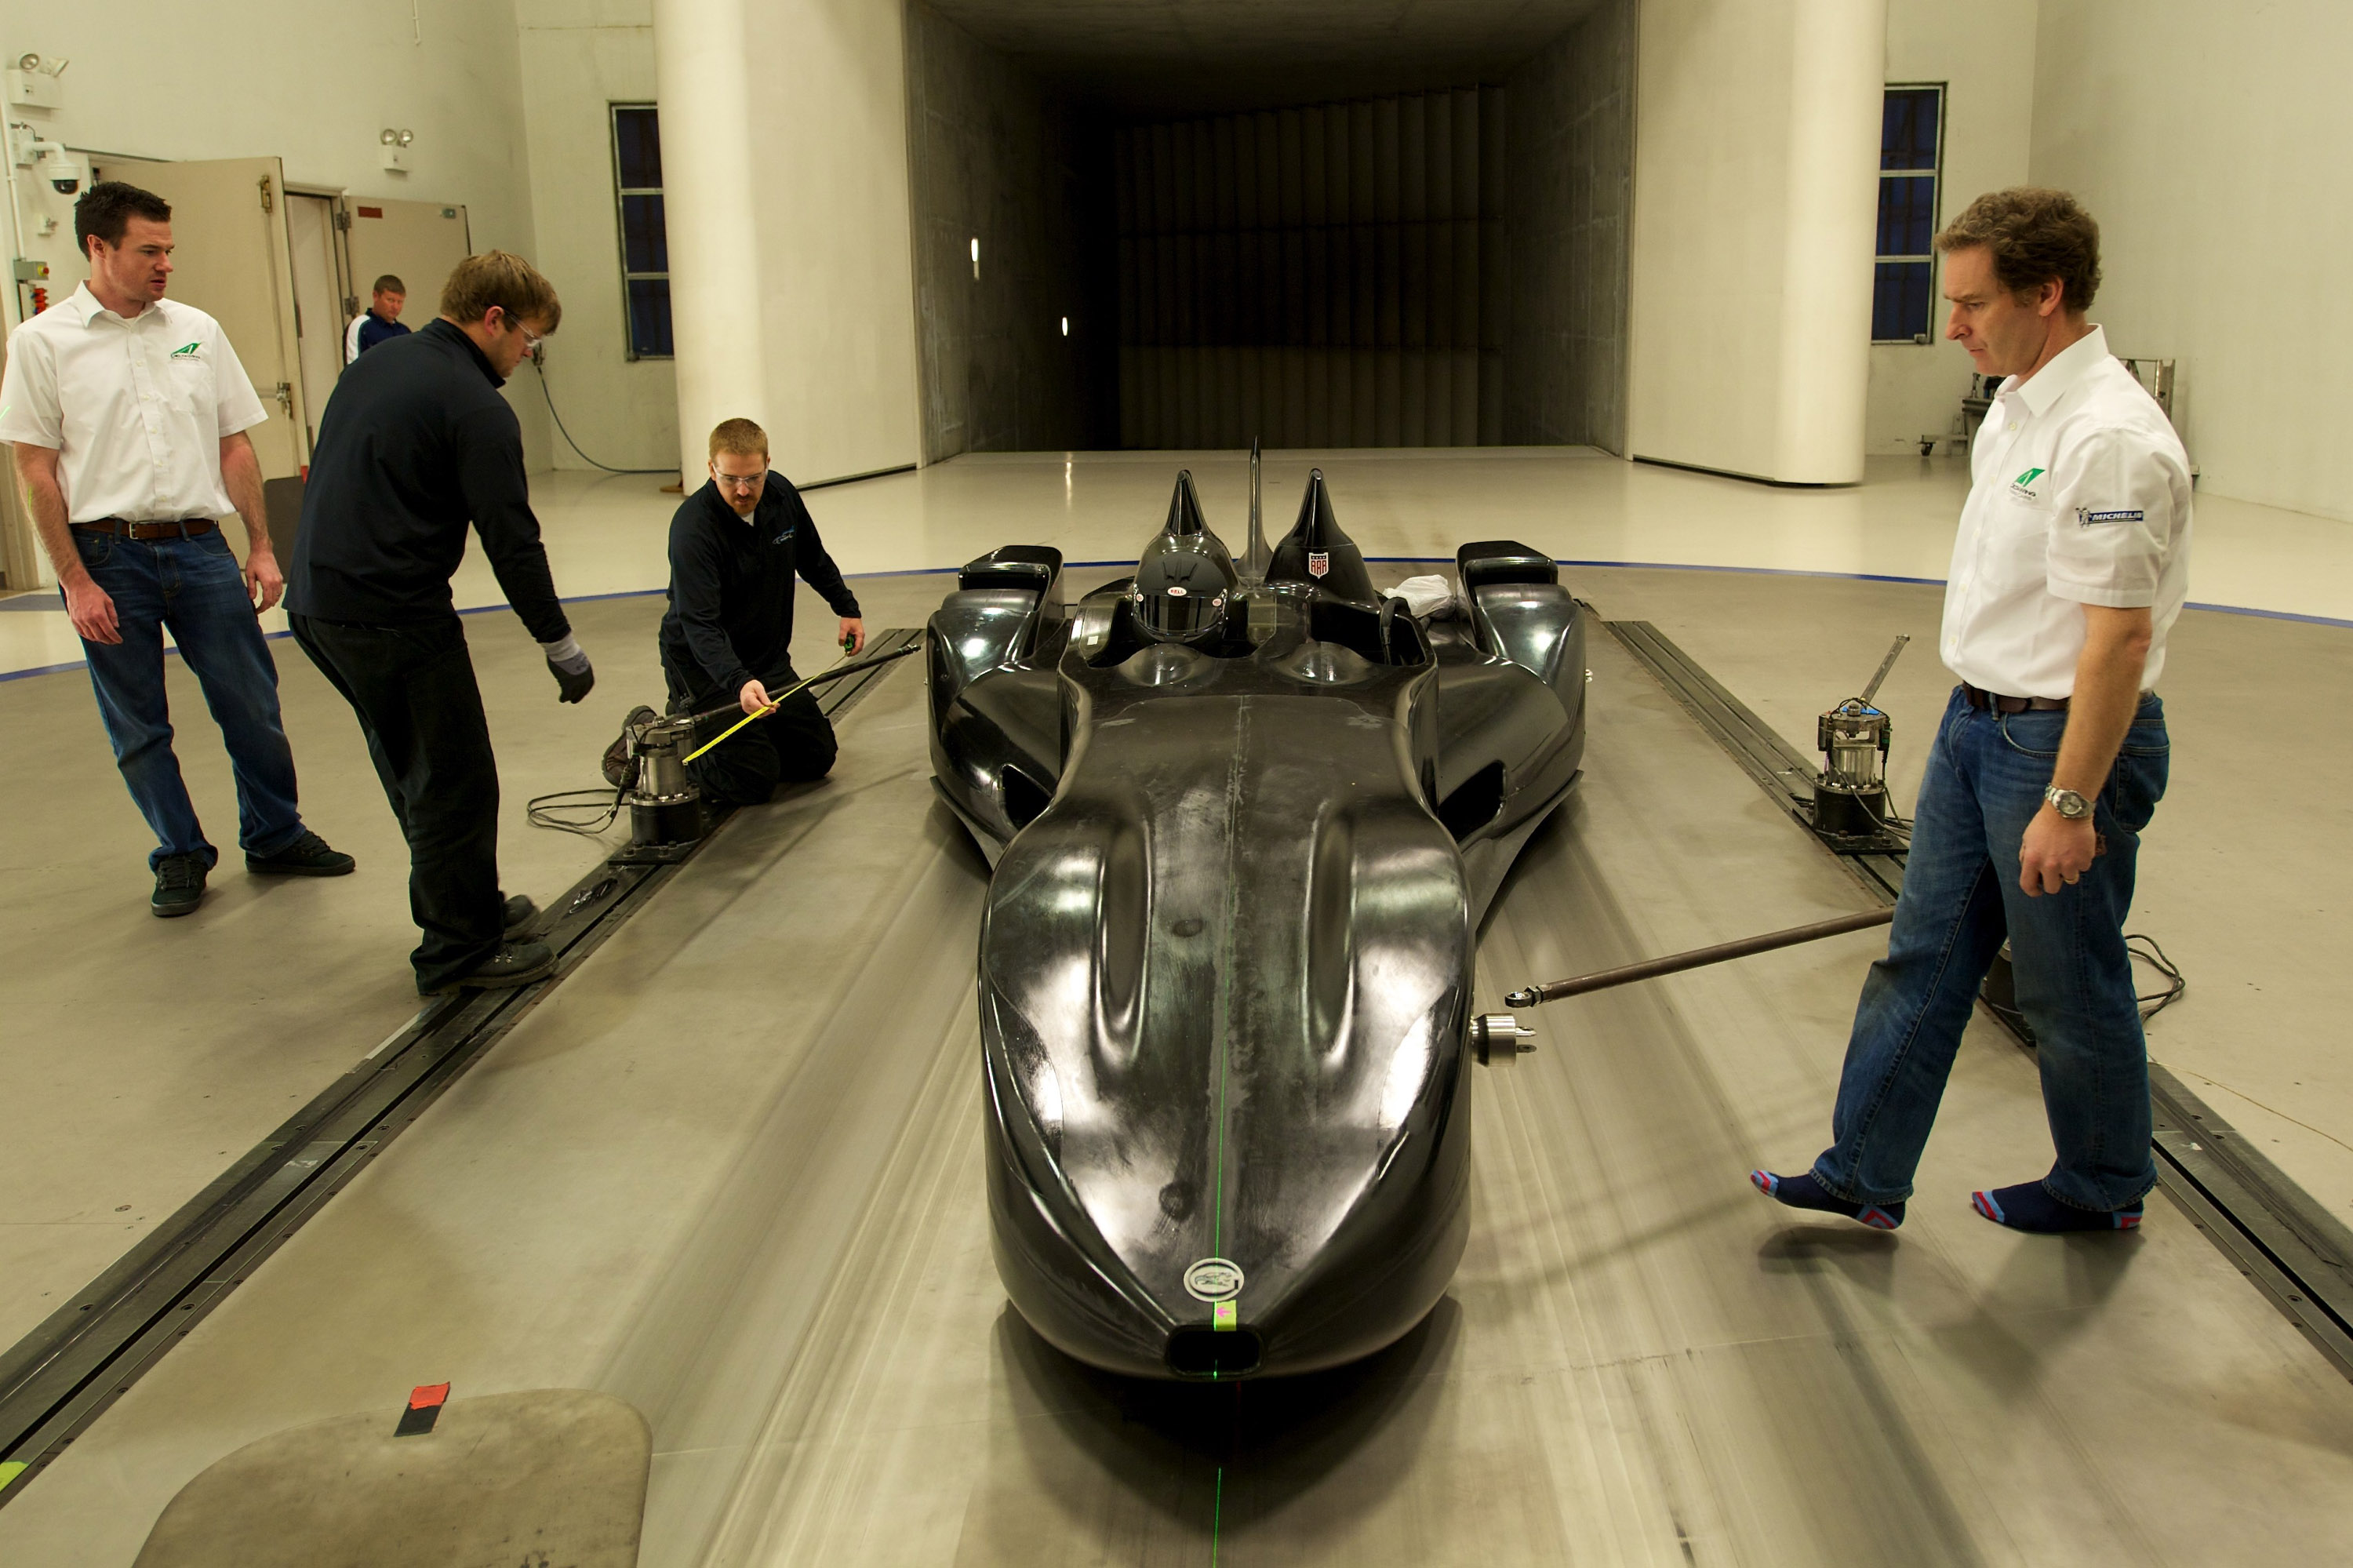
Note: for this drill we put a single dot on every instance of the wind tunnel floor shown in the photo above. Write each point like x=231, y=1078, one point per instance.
x=729, y=1171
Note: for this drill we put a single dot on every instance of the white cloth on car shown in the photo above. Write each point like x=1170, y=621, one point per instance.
x=1426, y=596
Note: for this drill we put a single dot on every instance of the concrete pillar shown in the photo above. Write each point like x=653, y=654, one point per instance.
x=1755, y=191
x=785, y=172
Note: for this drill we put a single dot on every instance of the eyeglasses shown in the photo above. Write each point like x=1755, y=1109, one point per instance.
x=739, y=481
x=529, y=344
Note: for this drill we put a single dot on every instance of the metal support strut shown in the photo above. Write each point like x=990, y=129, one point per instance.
x=1698, y=958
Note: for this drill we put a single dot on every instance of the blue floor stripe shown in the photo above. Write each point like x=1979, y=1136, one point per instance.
x=1376, y=560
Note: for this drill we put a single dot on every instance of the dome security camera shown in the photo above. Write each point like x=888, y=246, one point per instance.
x=66, y=170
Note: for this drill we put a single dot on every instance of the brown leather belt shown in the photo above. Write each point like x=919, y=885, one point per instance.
x=182, y=528
x=1995, y=702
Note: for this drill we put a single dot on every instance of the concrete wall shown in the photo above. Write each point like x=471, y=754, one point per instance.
x=1569, y=163
x=578, y=57
x=2209, y=142
x=1984, y=53
x=1755, y=162
x=785, y=170
x=998, y=158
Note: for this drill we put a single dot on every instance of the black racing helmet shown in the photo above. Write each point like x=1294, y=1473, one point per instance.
x=1186, y=579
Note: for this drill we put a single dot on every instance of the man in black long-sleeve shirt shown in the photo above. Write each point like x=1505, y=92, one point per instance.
x=736, y=545
x=417, y=443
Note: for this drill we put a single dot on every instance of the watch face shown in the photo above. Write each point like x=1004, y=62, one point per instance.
x=2070, y=805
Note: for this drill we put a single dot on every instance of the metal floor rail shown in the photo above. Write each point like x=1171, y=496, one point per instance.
x=59, y=1378
x=2299, y=1254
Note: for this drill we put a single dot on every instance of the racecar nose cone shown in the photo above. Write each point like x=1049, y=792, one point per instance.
x=1223, y=1009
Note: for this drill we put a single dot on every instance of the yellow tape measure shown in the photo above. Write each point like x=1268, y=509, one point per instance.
x=773, y=703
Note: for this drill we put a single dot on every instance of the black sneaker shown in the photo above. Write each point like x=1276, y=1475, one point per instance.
x=516, y=916
x=306, y=857
x=515, y=963
x=619, y=766
x=179, y=885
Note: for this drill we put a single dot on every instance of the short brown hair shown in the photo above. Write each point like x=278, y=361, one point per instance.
x=389, y=284
x=740, y=436
x=502, y=279
x=2034, y=236
x=106, y=209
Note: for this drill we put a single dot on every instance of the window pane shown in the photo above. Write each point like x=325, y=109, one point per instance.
x=1899, y=302
x=637, y=147
x=649, y=318
x=1907, y=214
x=1907, y=128
x=644, y=247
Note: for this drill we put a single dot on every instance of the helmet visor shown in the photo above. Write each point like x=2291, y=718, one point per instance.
x=1179, y=614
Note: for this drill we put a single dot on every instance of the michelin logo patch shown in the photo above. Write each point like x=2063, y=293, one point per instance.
x=2089, y=518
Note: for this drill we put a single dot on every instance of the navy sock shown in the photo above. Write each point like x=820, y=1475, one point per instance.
x=2029, y=1206
x=1806, y=1193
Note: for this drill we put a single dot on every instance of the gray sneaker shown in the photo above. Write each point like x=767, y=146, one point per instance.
x=620, y=768
x=179, y=885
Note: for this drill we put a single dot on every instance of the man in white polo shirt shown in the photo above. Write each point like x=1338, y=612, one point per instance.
x=2070, y=568
x=127, y=412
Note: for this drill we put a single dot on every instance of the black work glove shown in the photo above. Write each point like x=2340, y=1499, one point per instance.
x=569, y=665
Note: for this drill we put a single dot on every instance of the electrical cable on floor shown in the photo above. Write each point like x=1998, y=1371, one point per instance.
x=2154, y=957
x=542, y=811
x=568, y=441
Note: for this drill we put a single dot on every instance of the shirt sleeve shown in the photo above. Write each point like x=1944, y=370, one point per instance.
x=694, y=588
x=235, y=406
x=814, y=566
x=30, y=410
x=2113, y=521
x=490, y=476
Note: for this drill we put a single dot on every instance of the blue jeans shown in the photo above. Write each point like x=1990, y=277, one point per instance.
x=1984, y=783
x=195, y=588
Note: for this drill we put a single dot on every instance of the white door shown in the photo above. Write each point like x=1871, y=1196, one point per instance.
x=419, y=242
x=319, y=293
x=232, y=258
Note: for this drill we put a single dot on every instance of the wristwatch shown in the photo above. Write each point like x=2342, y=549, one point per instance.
x=2067, y=803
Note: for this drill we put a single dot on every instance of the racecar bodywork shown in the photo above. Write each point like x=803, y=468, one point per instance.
x=1226, y=970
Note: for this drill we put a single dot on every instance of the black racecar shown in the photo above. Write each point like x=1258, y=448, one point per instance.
x=1243, y=827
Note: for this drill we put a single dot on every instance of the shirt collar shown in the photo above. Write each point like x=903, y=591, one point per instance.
x=87, y=309
x=440, y=326
x=2067, y=369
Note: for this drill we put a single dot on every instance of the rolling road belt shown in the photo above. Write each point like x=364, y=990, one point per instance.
x=61, y=1377
x=2272, y=1231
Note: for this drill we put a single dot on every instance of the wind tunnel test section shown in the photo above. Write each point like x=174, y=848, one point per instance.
x=1308, y=243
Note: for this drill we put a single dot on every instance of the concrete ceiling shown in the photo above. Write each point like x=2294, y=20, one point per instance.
x=1155, y=58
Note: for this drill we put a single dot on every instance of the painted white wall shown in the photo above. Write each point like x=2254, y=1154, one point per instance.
x=311, y=82
x=578, y=57
x=1984, y=53
x=1756, y=151
x=785, y=170
x=2210, y=142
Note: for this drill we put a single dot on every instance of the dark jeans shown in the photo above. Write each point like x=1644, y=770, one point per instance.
x=413, y=688
x=195, y=588
x=1985, y=781
x=792, y=746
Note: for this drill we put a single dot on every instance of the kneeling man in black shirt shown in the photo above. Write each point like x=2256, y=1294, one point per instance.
x=735, y=547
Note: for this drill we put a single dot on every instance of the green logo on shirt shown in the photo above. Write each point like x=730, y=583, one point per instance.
x=2029, y=477
x=188, y=351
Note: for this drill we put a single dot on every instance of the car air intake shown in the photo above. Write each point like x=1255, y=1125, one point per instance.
x=1204, y=1351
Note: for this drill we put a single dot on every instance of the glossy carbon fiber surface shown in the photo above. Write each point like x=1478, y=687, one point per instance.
x=1225, y=971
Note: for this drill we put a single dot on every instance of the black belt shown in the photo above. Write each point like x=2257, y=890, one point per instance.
x=179, y=528
x=1995, y=702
